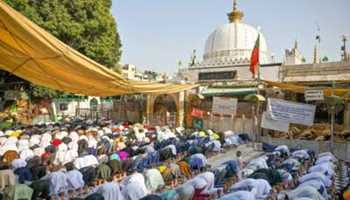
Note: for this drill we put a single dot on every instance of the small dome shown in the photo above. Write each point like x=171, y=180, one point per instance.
x=234, y=42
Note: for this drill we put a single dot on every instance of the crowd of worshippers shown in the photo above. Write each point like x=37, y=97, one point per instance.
x=131, y=162
x=284, y=174
x=110, y=161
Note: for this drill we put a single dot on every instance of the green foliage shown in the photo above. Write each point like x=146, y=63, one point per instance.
x=43, y=92
x=117, y=68
x=325, y=59
x=86, y=25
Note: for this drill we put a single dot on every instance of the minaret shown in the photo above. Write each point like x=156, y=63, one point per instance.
x=293, y=56
x=316, y=55
x=235, y=16
x=317, y=50
x=296, y=44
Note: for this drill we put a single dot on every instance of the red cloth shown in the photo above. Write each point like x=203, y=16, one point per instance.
x=199, y=196
x=151, y=129
x=56, y=142
x=197, y=113
x=45, y=155
x=254, y=60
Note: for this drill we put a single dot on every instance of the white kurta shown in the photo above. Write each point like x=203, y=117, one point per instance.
x=305, y=192
x=18, y=163
x=133, y=187
x=153, y=179
x=240, y=195
x=316, y=176
x=110, y=191
x=75, y=179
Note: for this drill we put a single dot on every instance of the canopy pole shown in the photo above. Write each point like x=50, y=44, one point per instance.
x=332, y=127
x=333, y=107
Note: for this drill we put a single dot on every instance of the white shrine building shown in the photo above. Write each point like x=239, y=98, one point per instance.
x=227, y=55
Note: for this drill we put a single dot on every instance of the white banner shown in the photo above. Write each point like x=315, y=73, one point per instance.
x=268, y=123
x=314, y=95
x=291, y=112
x=225, y=106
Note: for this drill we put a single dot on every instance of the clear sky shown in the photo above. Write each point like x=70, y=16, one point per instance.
x=156, y=34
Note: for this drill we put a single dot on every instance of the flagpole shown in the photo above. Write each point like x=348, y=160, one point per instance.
x=255, y=69
x=258, y=93
x=258, y=105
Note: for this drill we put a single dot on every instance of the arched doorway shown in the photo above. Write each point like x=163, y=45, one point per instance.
x=165, y=110
x=93, y=104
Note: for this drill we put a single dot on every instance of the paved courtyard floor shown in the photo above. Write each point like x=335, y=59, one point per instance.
x=248, y=153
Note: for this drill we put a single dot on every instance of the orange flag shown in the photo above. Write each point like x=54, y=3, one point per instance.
x=254, y=60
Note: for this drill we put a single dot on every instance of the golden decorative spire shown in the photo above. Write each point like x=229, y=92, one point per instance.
x=235, y=16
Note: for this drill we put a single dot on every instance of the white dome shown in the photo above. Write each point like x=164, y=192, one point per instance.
x=233, y=44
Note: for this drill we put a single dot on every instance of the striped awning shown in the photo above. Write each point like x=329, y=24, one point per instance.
x=228, y=91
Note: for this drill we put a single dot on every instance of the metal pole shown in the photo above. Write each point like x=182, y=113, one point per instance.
x=254, y=133
x=332, y=127
x=258, y=122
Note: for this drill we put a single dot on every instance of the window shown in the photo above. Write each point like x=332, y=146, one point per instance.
x=205, y=76
x=63, y=106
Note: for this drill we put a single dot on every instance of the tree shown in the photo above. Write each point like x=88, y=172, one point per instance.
x=325, y=59
x=86, y=25
x=117, y=68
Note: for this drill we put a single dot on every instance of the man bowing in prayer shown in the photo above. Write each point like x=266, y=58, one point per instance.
x=110, y=190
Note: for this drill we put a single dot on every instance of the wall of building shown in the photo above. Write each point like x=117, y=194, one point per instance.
x=333, y=71
x=243, y=72
x=222, y=124
x=179, y=100
x=129, y=71
x=68, y=107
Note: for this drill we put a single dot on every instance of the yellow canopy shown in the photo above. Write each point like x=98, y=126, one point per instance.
x=301, y=88
x=255, y=98
x=33, y=54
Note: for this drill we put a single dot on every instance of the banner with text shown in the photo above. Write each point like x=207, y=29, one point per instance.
x=291, y=112
x=225, y=106
x=268, y=123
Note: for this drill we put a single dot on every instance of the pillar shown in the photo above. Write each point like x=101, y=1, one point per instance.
x=149, y=108
x=347, y=115
x=180, y=109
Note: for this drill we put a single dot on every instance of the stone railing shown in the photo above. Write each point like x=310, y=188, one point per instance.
x=336, y=71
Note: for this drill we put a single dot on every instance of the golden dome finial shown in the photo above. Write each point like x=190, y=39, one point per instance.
x=235, y=15
x=234, y=4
